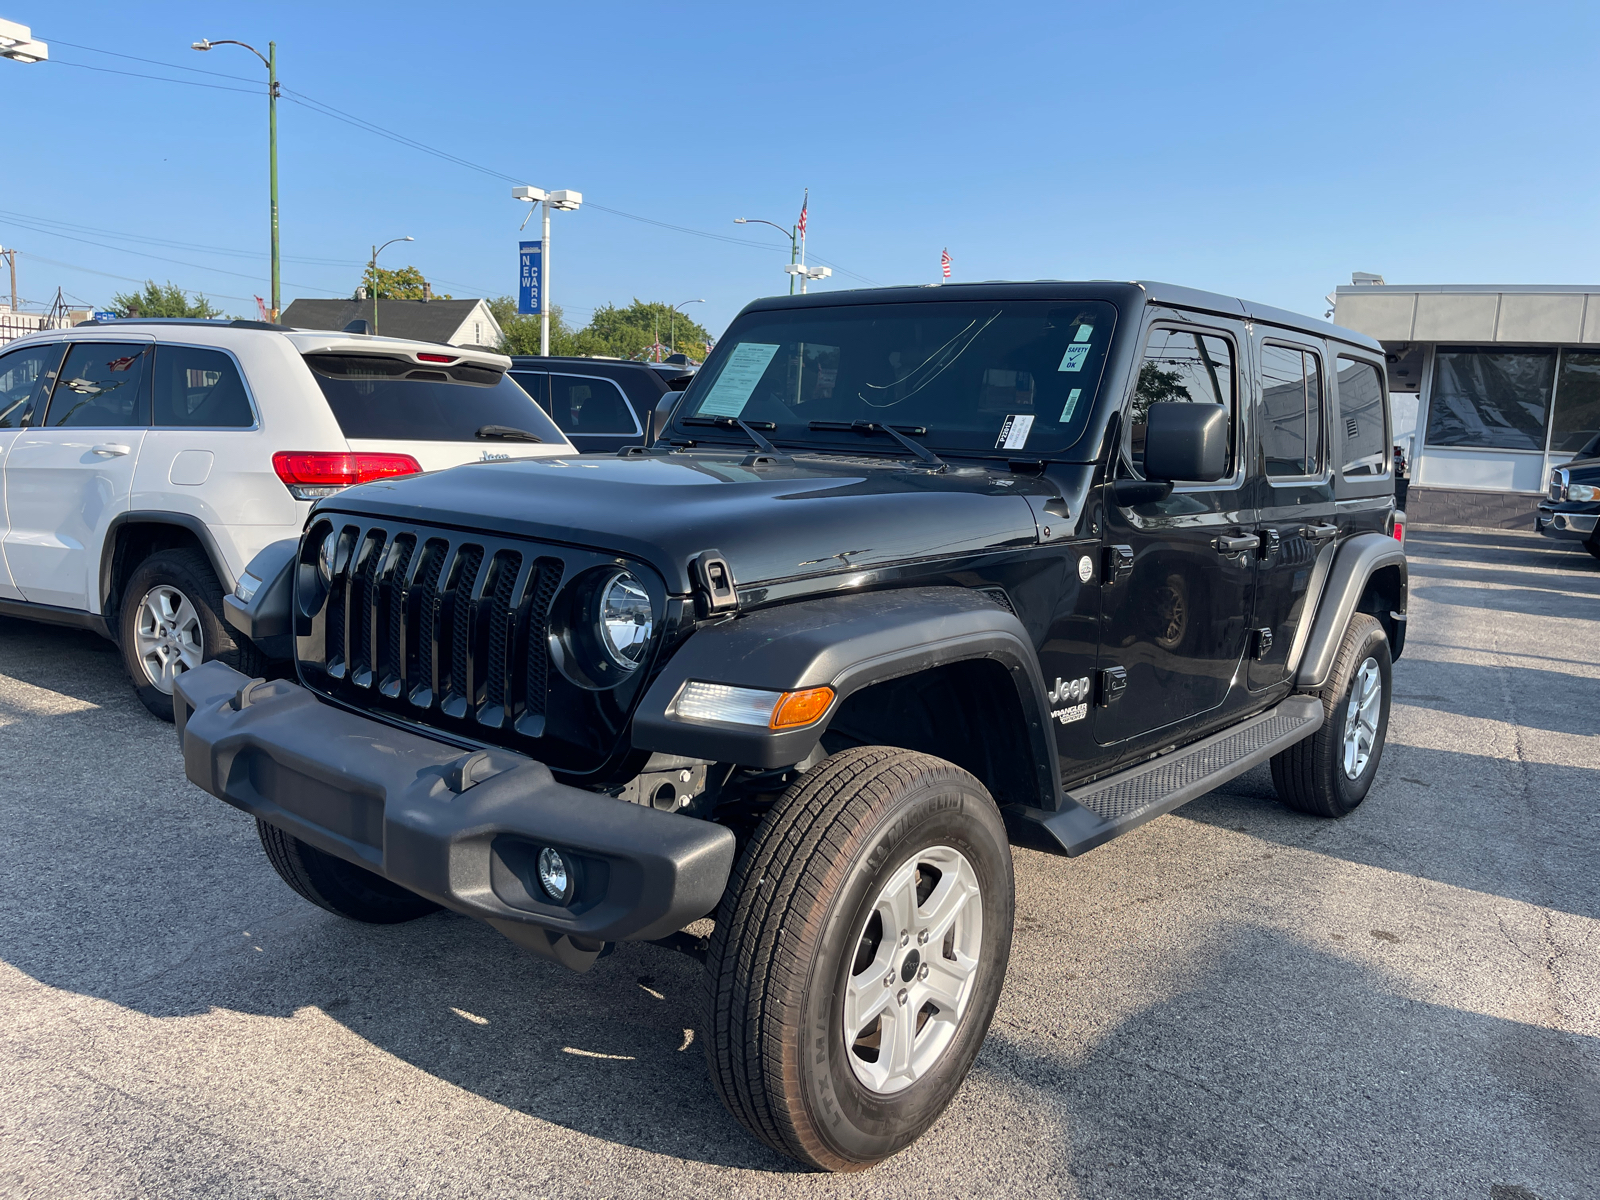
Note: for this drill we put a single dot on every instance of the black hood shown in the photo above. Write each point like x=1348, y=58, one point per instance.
x=773, y=521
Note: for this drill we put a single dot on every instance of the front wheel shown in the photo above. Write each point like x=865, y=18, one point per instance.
x=858, y=956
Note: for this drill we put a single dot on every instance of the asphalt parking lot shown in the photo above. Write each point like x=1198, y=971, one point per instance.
x=1234, y=1001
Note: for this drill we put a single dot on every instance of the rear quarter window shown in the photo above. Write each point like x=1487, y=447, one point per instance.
x=390, y=399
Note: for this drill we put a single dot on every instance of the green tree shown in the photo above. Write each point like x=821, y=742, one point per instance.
x=1156, y=387
x=520, y=334
x=628, y=332
x=403, y=283
x=158, y=300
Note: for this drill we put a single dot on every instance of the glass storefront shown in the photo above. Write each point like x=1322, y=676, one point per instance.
x=1491, y=398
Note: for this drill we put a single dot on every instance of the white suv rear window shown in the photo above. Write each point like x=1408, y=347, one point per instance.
x=391, y=399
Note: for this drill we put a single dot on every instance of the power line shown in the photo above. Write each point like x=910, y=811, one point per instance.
x=328, y=110
x=126, y=278
x=159, y=258
x=61, y=62
x=153, y=62
x=155, y=241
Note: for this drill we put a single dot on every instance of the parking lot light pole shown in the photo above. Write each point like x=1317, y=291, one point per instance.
x=672, y=341
x=791, y=234
x=562, y=201
x=270, y=58
x=372, y=270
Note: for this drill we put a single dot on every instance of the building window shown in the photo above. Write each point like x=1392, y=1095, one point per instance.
x=1497, y=399
x=1577, y=410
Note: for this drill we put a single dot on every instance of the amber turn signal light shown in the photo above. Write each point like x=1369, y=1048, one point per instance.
x=801, y=708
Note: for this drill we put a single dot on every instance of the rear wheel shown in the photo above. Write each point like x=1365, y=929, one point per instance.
x=340, y=887
x=858, y=956
x=1329, y=773
x=171, y=622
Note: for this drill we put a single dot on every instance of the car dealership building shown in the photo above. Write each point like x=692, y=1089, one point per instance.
x=1507, y=386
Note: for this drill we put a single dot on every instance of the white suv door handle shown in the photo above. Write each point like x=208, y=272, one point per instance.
x=110, y=450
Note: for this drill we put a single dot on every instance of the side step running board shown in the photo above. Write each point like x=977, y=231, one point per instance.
x=1097, y=812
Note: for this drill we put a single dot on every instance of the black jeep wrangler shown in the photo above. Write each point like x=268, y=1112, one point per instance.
x=909, y=573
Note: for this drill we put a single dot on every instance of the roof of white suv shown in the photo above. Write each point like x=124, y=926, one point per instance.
x=306, y=341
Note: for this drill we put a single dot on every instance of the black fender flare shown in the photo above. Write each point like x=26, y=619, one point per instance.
x=846, y=643
x=1354, y=563
x=155, y=517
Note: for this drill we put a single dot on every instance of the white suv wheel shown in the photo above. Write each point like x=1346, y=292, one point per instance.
x=167, y=636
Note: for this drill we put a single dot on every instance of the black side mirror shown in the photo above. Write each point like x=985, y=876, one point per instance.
x=1186, y=441
x=663, y=413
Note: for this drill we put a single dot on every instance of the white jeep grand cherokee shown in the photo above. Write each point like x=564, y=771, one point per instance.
x=147, y=461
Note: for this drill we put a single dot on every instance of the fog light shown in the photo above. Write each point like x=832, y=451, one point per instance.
x=556, y=876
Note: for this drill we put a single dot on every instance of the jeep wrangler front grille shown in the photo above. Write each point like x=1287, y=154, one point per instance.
x=439, y=628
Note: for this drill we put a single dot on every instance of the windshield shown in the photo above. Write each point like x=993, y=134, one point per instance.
x=389, y=399
x=986, y=377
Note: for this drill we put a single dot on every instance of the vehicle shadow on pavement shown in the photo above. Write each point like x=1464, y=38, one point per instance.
x=1560, y=701
x=1296, y=1066
x=1464, y=820
x=1531, y=602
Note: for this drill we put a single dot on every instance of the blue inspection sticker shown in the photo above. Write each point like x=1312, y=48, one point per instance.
x=1077, y=354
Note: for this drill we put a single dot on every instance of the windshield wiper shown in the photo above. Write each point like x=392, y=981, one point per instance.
x=751, y=430
x=899, y=435
x=508, y=433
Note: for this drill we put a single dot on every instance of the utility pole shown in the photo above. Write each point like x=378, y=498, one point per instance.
x=272, y=172
x=11, y=256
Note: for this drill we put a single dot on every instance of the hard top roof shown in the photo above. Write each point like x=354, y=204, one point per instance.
x=1127, y=293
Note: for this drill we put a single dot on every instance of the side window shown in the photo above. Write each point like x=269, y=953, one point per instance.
x=533, y=382
x=25, y=379
x=1291, y=410
x=1361, y=436
x=198, y=389
x=102, y=386
x=580, y=404
x=1182, y=365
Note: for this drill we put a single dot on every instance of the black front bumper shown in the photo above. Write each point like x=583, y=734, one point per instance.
x=388, y=800
x=1565, y=523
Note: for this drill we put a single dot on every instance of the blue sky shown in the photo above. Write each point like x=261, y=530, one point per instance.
x=1263, y=150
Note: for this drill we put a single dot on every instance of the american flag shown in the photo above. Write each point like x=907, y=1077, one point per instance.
x=944, y=262
x=804, y=204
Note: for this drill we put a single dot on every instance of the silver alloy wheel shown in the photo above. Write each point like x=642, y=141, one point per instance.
x=1361, y=718
x=915, y=964
x=167, y=636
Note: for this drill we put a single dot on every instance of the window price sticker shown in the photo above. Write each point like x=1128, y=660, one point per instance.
x=1014, y=433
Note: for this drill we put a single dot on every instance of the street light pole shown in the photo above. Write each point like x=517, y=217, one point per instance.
x=672, y=341
x=562, y=200
x=788, y=233
x=270, y=59
x=372, y=271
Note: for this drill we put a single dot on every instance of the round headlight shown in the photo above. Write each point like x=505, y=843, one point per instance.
x=329, y=547
x=624, y=621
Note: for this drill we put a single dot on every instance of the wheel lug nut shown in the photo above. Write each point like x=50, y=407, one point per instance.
x=922, y=937
x=905, y=938
x=923, y=974
x=888, y=980
x=902, y=996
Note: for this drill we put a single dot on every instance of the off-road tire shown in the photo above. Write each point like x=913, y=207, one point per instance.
x=190, y=573
x=1309, y=776
x=786, y=940
x=342, y=888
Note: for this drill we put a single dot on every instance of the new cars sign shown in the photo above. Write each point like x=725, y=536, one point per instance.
x=530, y=280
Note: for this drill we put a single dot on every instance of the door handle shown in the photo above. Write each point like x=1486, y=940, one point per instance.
x=110, y=449
x=1320, y=533
x=1236, y=545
